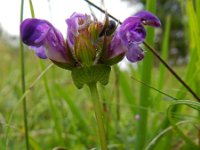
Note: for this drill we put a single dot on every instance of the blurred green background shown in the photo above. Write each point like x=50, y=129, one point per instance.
x=144, y=105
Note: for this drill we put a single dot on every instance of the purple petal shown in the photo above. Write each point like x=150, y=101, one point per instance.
x=131, y=31
x=33, y=31
x=39, y=51
x=75, y=23
x=148, y=18
x=55, y=46
x=134, y=53
x=115, y=48
x=41, y=34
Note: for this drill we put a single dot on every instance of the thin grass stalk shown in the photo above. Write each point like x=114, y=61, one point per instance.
x=31, y=9
x=157, y=90
x=164, y=55
x=23, y=83
x=53, y=110
x=194, y=31
x=158, y=137
x=192, y=71
x=142, y=128
x=166, y=123
x=192, y=68
x=73, y=107
x=193, y=13
x=173, y=72
x=21, y=100
x=170, y=112
x=126, y=90
x=197, y=4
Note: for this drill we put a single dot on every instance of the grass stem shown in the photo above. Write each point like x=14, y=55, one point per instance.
x=23, y=81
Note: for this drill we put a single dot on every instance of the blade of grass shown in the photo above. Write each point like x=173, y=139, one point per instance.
x=192, y=74
x=31, y=9
x=159, y=91
x=53, y=109
x=192, y=71
x=74, y=109
x=197, y=4
x=194, y=31
x=173, y=72
x=157, y=138
x=126, y=90
x=34, y=144
x=164, y=54
x=192, y=104
x=142, y=129
x=23, y=84
x=20, y=100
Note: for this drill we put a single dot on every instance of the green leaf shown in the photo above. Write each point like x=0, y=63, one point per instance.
x=92, y=74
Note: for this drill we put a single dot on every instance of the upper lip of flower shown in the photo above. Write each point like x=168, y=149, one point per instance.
x=45, y=39
x=133, y=33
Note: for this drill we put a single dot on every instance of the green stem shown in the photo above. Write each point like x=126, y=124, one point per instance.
x=23, y=82
x=98, y=114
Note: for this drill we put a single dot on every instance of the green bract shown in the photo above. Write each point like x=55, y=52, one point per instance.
x=91, y=74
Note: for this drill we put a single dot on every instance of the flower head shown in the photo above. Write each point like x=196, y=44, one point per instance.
x=91, y=46
x=89, y=41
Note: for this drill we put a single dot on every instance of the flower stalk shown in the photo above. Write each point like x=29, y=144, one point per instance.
x=23, y=82
x=98, y=113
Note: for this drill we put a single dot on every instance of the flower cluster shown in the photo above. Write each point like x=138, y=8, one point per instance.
x=89, y=42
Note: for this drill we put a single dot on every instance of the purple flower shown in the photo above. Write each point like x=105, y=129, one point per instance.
x=45, y=40
x=89, y=42
x=132, y=33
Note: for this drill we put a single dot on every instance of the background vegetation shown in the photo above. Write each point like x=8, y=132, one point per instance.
x=145, y=107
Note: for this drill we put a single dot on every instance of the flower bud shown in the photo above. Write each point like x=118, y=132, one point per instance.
x=84, y=49
x=95, y=28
